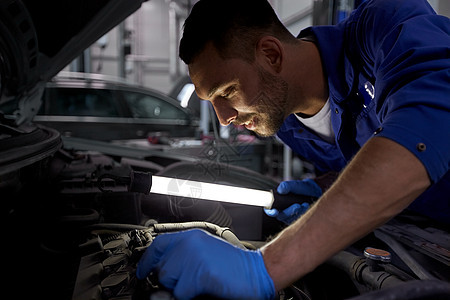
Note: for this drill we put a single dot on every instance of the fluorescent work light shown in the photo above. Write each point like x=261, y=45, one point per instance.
x=211, y=191
x=147, y=183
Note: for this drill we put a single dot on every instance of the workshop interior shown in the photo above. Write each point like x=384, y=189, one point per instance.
x=80, y=189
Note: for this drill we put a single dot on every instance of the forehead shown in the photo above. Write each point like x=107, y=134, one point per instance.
x=209, y=71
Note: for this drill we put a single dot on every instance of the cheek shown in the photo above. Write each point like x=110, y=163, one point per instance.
x=253, y=98
x=248, y=105
x=250, y=90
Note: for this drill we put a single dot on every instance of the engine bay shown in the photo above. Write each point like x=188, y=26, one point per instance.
x=78, y=242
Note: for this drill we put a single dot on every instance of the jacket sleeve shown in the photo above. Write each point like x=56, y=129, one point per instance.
x=407, y=47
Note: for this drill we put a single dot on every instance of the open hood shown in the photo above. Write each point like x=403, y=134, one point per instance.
x=39, y=38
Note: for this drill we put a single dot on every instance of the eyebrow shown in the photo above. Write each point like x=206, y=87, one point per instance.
x=214, y=89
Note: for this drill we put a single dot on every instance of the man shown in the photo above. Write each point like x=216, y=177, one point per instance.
x=369, y=98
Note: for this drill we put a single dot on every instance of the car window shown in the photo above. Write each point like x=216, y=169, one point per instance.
x=148, y=106
x=79, y=102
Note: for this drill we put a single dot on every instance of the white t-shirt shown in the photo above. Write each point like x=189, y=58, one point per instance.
x=320, y=123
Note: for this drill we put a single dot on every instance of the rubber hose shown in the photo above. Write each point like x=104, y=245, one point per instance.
x=222, y=232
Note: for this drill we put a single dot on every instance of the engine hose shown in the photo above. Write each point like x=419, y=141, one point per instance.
x=223, y=232
x=403, y=254
x=411, y=290
x=357, y=268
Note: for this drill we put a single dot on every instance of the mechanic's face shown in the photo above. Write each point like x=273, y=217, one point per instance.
x=241, y=93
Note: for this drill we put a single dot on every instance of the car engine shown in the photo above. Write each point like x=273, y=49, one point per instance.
x=108, y=272
x=79, y=242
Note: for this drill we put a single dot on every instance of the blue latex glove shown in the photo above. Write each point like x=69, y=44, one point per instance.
x=306, y=187
x=289, y=214
x=193, y=263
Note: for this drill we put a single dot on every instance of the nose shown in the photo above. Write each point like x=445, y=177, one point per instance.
x=225, y=113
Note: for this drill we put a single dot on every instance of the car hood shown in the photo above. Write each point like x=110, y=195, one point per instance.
x=39, y=38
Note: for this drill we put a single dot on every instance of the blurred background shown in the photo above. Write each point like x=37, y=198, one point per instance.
x=143, y=50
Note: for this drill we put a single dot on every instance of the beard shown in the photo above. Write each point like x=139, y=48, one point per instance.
x=270, y=104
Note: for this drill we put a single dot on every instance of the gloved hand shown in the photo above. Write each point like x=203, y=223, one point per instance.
x=306, y=187
x=193, y=262
x=288, y=215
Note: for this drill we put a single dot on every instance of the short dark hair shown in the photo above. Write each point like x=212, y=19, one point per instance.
x=233, y=26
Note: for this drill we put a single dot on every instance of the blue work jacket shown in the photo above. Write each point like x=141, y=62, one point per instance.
x=388, y=70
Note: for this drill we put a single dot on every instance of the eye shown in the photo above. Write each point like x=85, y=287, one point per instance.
x=229, y=92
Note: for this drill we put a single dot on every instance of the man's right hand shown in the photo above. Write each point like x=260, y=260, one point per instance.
x=305, y=187
x=193, y=262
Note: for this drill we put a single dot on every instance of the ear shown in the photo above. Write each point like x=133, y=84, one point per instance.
x=270, y=52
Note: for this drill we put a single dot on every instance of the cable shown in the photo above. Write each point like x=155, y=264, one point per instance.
x=223, y=232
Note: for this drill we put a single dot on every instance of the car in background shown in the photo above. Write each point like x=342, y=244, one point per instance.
x=99, y=107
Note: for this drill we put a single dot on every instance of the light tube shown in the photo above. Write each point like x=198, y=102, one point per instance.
x=211, y=191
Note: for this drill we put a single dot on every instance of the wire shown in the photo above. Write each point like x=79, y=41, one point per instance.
x=301, y=292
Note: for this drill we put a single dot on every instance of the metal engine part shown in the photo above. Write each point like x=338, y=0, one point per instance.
x=107, y=270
